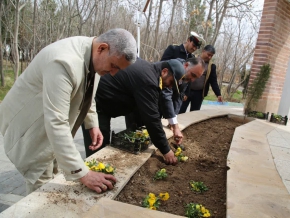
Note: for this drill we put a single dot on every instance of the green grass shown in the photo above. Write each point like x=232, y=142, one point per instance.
x=9, y=81
x=237, y=97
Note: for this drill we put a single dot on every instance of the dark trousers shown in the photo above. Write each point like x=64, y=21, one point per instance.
x=133, y=121
x=195, y=99
x=105, y=127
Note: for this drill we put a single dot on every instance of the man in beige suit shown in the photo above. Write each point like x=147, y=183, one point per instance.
x=53, y=96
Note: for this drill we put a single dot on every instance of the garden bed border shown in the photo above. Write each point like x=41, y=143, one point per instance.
x=80, y=200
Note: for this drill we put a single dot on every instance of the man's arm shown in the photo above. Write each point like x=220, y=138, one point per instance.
x=213, y=82
x=170, y=105
x=147, y=102
x=57, y=89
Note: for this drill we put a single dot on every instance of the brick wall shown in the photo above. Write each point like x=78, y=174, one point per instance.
x=273, y=46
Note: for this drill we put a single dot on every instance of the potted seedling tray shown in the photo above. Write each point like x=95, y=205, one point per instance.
x=275, y=118
x=131, y=141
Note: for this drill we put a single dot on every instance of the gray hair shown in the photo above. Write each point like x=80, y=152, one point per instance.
x=121, y=42
x=195, y=61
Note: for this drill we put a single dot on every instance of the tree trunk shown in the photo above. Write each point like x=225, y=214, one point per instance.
x=208, y=19
x=15, y=52
x=34, y=30
x=1, y=49
x=147, y=32
x=219, y=20
x=171, y=21
x=157, y=25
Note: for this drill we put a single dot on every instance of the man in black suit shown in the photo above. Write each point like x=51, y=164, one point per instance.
x=198, y=89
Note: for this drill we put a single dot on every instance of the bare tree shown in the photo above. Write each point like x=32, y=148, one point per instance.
x=15, y=52
x=1, y=48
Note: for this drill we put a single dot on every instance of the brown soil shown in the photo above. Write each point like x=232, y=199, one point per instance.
x=207, y=145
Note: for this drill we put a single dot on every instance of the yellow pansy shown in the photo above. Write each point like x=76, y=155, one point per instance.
x=151, y=201
x=100, y=166
x=152, y=208
x=164, y=196
x=178, y=152
x=109, y=169
x=184, y=158
x=206, y=215
x=163, y=170
x=93, y=168
x=151, y=195
x=145, y=132
x=202, y=209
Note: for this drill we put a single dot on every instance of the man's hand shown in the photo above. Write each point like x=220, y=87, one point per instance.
x=97, y=138
x=177, y=135
x=184, y=98
x=220, y=99
x=170, y=158
x=98, y=182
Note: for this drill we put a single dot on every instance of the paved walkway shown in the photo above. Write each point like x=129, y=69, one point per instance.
x=12, y=184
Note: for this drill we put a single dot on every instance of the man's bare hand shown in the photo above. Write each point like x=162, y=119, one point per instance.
x=177, y=135
x=184, y=98
x=97, y=138
x=170, y=158
x=220, y=99
x=99, y=182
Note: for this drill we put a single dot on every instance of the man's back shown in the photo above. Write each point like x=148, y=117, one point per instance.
x=122, y=89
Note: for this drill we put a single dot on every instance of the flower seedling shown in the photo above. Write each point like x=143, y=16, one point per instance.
x=141, y=135
x=196, y=211
x=100, y=167
x=198, y=186
x=160, y=174
x=152, y=202
x=180, y=157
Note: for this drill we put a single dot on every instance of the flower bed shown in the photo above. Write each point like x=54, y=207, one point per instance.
x=275, y=118
x=197, y=187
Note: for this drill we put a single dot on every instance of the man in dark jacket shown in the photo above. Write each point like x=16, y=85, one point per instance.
x=199, y=88
x=139, y=87
x=183, y=51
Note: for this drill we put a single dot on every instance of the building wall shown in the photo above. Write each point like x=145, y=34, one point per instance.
x=273, y=46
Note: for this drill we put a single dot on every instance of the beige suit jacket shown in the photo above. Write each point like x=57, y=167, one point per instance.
x=38, y=113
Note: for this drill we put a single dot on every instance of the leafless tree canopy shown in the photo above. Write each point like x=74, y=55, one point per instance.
x=230, y=25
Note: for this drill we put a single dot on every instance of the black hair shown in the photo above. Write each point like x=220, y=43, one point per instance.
x=209, y=48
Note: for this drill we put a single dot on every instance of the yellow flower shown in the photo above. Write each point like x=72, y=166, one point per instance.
x=145, y=133
x=202, y=209
x=93, y=168
x=197, y=206
x=178, y=152
x=163, y=170
x=164, y=196
x=152, y=208
x=151, y=201
x=151, y=195
x=184, y=158
x=87, y=163
x=100, y=166
x=109, y=169
x=206, y=215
